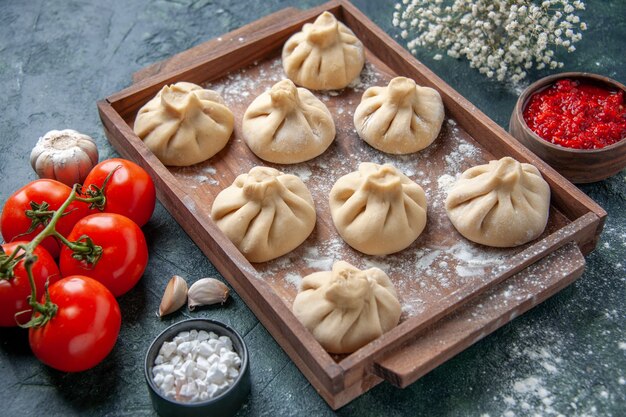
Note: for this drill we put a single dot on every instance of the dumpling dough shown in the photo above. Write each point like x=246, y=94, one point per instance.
x=287, y=125
x=378, y=210
x=325, y=55
x=347, y=308
x=265, y=213
x=184, y=124
x=503, y=204
x=400, y=118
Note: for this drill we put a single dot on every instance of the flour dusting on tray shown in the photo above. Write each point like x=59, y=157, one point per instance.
x=437, y=265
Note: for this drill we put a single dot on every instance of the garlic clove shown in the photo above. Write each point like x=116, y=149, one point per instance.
x=174, y=296
x=206, y=291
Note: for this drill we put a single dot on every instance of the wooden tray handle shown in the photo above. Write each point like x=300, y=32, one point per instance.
x=452, y=335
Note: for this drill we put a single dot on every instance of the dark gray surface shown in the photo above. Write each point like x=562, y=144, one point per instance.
x=567, y=356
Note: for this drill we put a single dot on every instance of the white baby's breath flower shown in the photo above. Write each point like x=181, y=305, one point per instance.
x=471, y=29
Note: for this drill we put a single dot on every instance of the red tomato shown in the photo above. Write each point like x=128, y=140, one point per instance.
x=129, y=192
x=14, y=221
x=124, y=255
x=14, y=292
x=84, y=329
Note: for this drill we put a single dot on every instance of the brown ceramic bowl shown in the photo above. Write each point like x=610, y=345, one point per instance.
x=577, y=165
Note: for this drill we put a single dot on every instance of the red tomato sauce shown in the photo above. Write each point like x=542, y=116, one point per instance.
x=578, y=115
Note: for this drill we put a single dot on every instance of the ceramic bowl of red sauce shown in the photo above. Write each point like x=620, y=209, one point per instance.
x=576, y=122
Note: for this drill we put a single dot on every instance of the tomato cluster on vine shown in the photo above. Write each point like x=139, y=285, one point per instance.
x=94, y=230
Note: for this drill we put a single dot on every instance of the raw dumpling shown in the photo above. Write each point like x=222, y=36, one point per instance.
x=378, y=210
x=325, y=55
x=184, y=124
x=287, y=125
x=400, y=118
x=347, y=308
x=265, y=213
x=502, y=204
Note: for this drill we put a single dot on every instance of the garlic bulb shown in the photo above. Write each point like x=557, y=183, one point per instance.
x=174, y=297
x=206, y=291
x=64, y=155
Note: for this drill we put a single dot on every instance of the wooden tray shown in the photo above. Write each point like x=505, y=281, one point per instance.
x=452, y=291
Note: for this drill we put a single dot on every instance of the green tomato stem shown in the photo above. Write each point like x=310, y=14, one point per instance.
x=74, y=247
x=97, y=198
x=8, y=263
x=50, y=230
x=28, y=265
x=39, y=214
x=83, y=248
x=42, y=313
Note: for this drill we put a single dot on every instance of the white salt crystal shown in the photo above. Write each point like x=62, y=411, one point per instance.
x=167, y=349
x=168, y=382
x=212, y=390
x=188, y=368
x=202, y=363
x=184, y=348
x=189, y=390
x=199, y=374
x=204, y=349
x=181, y=337
x=158, y=379
x=226, y=342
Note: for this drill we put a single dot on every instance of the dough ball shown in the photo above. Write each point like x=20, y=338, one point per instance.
x=325, y=55
x=378, y=210
x=184, y=124
x=347, y=308
x=265, y=213
x=400, y=118
x=287, y=125
x=503, y=204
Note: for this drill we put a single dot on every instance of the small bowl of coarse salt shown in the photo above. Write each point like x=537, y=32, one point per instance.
x=198, y=367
